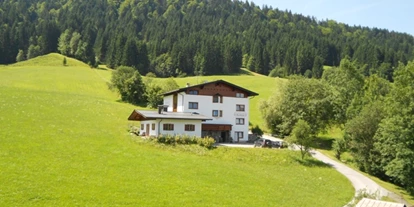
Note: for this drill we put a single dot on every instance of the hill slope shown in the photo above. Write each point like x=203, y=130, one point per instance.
x=64, y=142
x=52, y=59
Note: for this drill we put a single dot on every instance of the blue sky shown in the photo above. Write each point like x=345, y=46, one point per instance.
x=397, y=15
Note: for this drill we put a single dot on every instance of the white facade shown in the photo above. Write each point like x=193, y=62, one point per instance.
x=156, y=127
x=228, y=107
x=216, y=109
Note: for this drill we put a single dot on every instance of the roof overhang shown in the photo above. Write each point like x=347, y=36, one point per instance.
x=216, y=127
x=248, y=92
x=137, y=116
x=141, y=115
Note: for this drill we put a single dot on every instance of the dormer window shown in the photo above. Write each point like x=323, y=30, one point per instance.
x=193, y=92
x=217, y=99
x=240, y=95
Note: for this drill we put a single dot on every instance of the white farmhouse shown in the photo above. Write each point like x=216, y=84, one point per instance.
x=218, y=109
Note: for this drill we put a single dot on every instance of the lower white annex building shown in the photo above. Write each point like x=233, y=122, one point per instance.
x=217, y=109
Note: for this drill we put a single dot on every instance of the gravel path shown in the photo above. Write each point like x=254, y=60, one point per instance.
x=358, y=180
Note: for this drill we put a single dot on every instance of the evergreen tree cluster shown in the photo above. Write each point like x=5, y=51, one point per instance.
x=195, y=37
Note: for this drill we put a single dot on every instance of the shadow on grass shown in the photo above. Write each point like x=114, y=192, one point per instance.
x=312, y=163
x=405, y=193
x=100, y=68
x=140, y=105
x=324, y=143
x=240, y=72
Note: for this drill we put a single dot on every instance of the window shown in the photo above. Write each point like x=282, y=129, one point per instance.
x=189, y=127
x=217, y=99
x=153, y=127
x=168, y=127
x=142, y=126
x=193, y=105
x=193, y=92
x=239, y=135
x=240, y=95
x=217, y=113
x=239, y=107
x=239, y=121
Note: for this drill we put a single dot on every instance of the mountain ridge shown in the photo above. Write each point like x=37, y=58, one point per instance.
x=198, y=37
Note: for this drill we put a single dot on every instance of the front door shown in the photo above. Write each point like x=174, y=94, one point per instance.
x=223, y=136
x=147, y=130
x=175, y=100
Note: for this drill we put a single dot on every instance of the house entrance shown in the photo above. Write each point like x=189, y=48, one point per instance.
x=175, y=100
x=223, y=135
x=219, y=132
x=147, y=130
x=219, y=136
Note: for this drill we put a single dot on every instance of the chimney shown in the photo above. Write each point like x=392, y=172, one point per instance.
x=187, y=85
x=160, y=109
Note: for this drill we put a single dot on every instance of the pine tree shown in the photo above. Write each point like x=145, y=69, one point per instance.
x=20, y=56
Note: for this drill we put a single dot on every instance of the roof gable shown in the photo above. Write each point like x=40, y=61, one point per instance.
x=214, y=83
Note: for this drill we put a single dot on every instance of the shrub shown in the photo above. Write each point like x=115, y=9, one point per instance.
x=128, y=82
x=257, y=130
x=278, y=71
x=339, y=147
x=134, y=130
x=206, y=142
x=308, y=74
x=151, y=75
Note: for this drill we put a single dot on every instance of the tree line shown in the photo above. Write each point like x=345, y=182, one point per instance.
x=376, y=115
x=194, y=37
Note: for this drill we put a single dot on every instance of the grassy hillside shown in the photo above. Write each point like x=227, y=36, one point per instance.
x=64, y=142
x=53, y=59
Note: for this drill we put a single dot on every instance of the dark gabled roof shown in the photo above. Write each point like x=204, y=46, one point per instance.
x=140, y=115
x=249, y=93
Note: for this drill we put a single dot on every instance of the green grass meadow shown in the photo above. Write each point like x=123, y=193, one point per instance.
x=64, y=142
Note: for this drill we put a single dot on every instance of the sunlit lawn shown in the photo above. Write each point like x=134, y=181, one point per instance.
x=64, y=142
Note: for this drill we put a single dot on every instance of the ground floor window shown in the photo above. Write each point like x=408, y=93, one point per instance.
x=239, y=135
x=189, y=127
x=153, y=127
x=142, y=126
x=168, y=127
